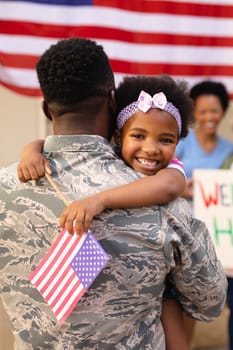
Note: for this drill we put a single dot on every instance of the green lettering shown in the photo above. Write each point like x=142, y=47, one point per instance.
x=220, y=231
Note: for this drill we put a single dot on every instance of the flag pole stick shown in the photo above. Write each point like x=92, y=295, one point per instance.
x=59, y=193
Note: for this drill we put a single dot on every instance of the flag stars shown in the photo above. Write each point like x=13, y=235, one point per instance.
x=73, y=261
x=89, y=261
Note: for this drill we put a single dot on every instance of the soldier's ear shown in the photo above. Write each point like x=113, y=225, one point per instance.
x=46, y=110
x=112, y=104
x=117, y=137
x=112, y=101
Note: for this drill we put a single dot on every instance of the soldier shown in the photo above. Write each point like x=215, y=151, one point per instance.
x=122, y=309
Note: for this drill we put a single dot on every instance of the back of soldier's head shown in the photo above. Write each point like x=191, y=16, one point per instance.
x=74, y=70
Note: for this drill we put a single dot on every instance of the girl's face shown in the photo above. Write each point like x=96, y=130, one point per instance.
x=148, y=141
x=208, y=113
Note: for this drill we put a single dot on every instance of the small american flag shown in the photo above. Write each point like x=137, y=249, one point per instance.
x=67, y=271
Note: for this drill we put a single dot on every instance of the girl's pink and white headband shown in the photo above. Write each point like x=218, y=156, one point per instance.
x=144, y=103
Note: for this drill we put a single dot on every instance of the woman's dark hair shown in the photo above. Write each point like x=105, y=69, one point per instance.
x=209, y=87
x=175, y=91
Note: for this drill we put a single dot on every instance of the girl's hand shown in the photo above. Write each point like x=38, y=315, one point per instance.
x=32, y=164
x=32, y=167
x=78, y=216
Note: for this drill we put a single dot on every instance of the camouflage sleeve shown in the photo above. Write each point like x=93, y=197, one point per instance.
x=196, y=272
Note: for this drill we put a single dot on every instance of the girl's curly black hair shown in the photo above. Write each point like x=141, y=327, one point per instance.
x=176, y=92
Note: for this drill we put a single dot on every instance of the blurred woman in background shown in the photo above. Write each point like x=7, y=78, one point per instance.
x=203, y=148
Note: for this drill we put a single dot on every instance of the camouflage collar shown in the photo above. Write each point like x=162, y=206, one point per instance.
x=74, y=143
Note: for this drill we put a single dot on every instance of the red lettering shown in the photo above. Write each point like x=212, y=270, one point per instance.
x=211, y=198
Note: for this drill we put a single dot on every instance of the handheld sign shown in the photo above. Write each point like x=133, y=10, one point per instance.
x=213, y=204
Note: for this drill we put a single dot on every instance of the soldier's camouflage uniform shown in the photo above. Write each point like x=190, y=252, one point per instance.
x=122, y=308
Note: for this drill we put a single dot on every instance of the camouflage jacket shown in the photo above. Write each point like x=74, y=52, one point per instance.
x=121, y=310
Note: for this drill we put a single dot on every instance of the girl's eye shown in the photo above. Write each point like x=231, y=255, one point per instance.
x=166, y=140
x=137, y=136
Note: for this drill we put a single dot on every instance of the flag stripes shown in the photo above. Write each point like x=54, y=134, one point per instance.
x=55, y=279
x=189, y=40
x=67, y=271
x=56, y=31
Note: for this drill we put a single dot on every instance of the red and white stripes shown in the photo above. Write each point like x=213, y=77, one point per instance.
x=188, y=40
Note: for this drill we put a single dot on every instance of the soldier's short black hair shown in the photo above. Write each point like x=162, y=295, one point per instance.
x=209, y=87
x=74, y=69
x=176, y=92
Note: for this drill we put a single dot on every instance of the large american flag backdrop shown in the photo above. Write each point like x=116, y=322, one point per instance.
x=186, y=39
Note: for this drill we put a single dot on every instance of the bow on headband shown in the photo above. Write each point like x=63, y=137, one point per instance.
x=146, y=101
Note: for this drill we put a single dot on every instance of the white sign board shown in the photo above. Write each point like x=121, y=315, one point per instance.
x=213, y=204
